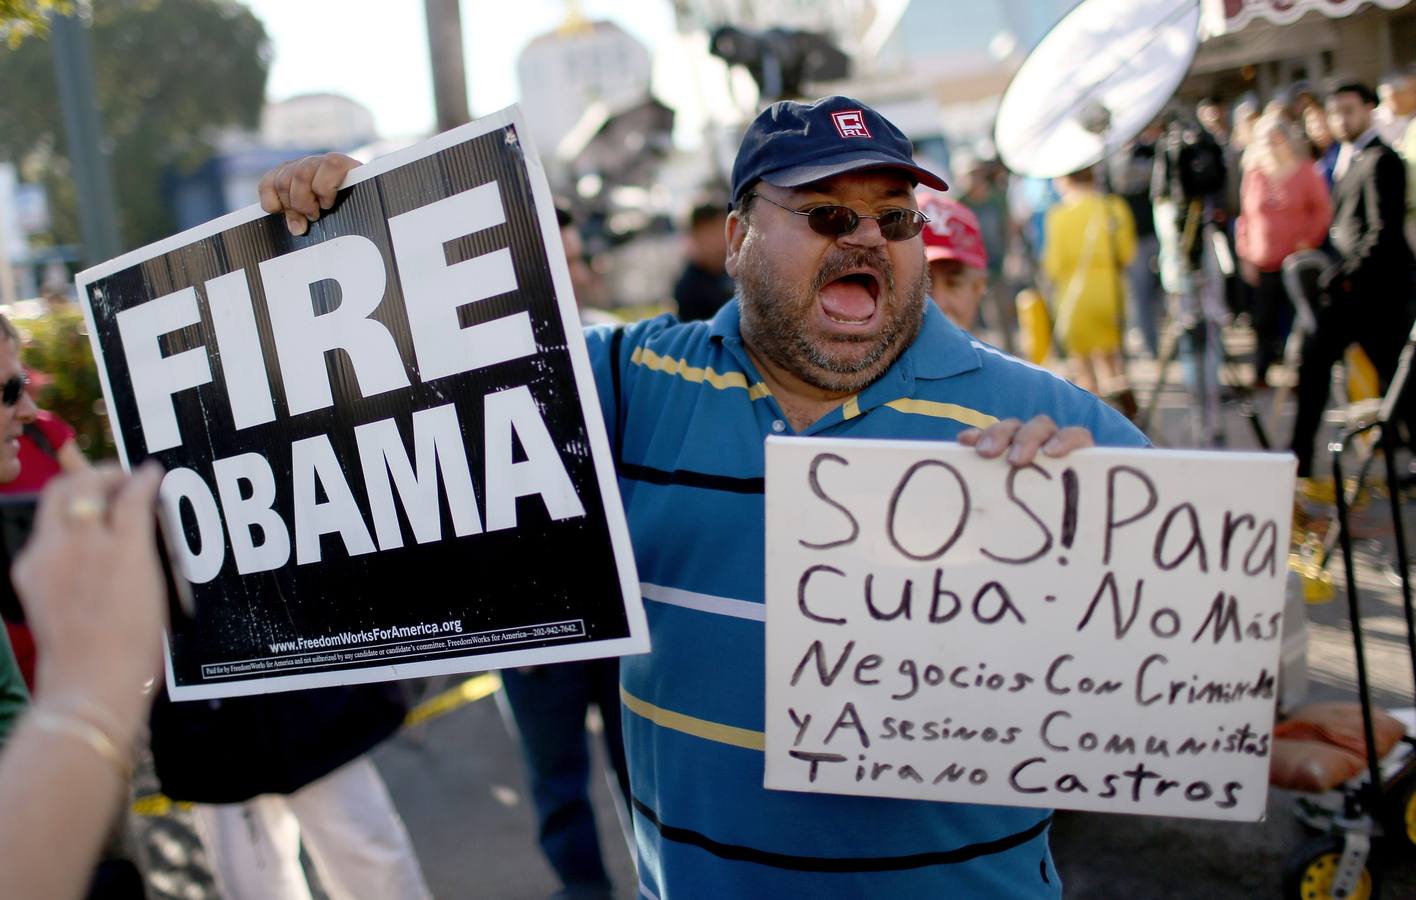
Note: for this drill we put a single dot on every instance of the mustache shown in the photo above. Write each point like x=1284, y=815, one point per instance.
x=843, y=261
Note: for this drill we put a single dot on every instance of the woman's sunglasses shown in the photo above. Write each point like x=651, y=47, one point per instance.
x=833, y=221
x=12, y=389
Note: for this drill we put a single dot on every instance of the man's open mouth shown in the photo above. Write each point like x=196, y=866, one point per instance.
x=851, y=298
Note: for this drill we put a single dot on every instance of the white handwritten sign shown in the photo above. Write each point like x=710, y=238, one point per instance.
x=1098, y=633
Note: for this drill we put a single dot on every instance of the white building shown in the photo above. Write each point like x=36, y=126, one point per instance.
x=317, y=120
x=1262, y=47
x=563, y=72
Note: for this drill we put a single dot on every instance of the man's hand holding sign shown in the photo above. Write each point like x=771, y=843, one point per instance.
x=304, y=189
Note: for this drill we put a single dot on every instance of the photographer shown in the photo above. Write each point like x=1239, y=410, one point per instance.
x=1187, y=188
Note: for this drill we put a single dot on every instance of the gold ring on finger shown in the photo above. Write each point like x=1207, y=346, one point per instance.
x=85, y=509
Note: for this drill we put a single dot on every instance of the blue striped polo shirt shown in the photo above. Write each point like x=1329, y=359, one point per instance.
x=689, y=424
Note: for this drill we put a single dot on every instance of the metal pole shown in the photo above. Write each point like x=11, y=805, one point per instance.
x=7, y=272
x=7, y=201
x=1372, y=791
x=1403, y=561
x=98, y=211
x=445, y=54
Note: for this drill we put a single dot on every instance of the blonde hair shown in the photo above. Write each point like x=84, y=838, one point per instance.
x=1257, y=154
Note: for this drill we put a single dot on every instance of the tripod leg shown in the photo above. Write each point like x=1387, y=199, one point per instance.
x=1373, y=788
x=1168, y=348
x=1245, y=395
x=1205, y=357
x=1399, y=533
x=1391, y=402
x=1368, y=457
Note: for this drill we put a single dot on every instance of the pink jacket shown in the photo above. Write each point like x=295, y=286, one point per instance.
x=1276, y=216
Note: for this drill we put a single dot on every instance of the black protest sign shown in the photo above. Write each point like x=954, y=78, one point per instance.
x=382, y=441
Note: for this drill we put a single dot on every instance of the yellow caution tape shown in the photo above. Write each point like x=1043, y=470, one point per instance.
x=158, y=805
x=469, y=691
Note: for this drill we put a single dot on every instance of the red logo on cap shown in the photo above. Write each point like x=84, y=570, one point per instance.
x=850, y=123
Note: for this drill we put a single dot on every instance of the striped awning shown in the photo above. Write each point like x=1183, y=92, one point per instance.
x=1225, y=16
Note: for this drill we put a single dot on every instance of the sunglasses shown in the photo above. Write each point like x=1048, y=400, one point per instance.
x=11, y=391
x=833, y=221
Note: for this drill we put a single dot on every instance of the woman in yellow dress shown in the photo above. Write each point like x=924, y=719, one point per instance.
x=1090, y=237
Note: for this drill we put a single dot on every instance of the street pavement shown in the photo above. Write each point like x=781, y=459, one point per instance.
x=457, y=777
x=458, y=782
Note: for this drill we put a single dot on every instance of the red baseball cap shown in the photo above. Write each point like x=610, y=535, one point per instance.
x=952, y=231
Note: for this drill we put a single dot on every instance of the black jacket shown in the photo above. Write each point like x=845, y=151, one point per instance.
x=1368, y=208
x=700, y=293
x=226, y=751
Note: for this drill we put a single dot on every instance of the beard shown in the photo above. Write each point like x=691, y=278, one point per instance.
x=777, y=320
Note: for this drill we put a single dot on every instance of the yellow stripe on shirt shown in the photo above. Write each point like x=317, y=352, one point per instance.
x=720, y=380
x=700, y=728
x=943, y=411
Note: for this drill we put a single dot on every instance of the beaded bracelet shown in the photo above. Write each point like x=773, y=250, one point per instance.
x=85, y=731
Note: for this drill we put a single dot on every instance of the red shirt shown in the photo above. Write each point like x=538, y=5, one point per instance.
x=1278, y=214
x=36, y=466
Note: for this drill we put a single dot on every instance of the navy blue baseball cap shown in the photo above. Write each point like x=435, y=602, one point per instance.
x=790, y=144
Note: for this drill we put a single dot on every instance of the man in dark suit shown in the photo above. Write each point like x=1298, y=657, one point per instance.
x=1368, y=290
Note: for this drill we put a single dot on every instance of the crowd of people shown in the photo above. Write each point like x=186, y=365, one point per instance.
x=1188, y=228
x=836, y=262
x=1219, y=206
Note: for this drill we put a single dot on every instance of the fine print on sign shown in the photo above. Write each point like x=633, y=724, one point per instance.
x=1099, y=632
x=382, y=439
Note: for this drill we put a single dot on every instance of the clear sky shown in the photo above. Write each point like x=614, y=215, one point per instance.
x=380, y=58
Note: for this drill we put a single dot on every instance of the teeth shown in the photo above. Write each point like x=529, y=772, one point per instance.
x=846, y=321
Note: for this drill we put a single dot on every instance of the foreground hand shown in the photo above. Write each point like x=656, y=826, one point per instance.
x=302, y=189
x=93, y=593
x=1021, y=441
